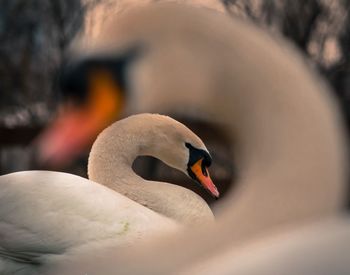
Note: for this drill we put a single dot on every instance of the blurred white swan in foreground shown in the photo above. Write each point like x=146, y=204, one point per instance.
x=46, y=216
x=286, y=130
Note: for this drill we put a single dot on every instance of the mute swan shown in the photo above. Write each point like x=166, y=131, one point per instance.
x=47, y=216
x=289, y=144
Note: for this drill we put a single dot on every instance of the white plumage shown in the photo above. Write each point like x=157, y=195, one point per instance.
x=48, y=217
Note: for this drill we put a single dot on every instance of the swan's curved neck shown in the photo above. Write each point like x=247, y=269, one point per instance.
x=115, y=150
x=289, y=150
x=286, y=131
x=110, y=164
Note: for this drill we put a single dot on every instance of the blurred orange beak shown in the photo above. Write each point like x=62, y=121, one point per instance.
x=77, y=126
x=203, y=178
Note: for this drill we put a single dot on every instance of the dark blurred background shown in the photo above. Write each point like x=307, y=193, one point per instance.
x=34, y=35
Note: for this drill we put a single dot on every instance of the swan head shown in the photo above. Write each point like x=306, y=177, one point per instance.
x=93, y=91
x=197, y=162
x=177, y=146
x=159, y=136
x=197, y=168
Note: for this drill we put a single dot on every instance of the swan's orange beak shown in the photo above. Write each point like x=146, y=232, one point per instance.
x=202, y=175
x=77, y=126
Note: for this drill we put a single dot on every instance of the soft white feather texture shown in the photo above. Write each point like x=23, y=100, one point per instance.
x=48, y=217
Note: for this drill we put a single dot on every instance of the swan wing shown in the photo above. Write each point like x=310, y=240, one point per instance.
x=44, y=215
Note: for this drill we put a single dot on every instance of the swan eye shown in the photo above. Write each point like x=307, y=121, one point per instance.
x=72, y=81
x=204, y=170
x=196, y=154
x=74, y=77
